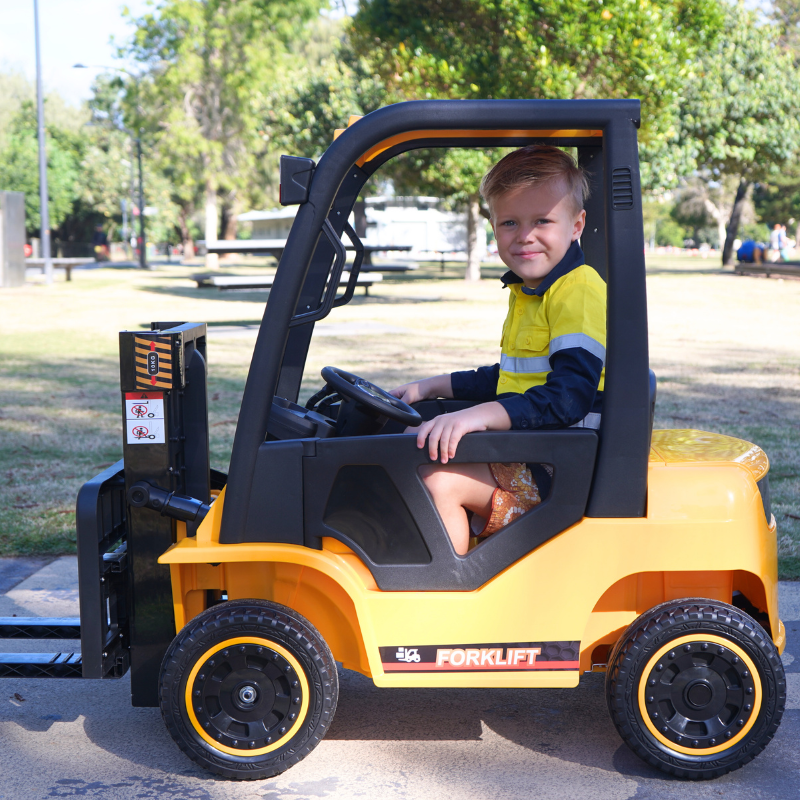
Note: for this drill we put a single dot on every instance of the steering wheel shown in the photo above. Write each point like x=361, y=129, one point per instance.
x=368, y=394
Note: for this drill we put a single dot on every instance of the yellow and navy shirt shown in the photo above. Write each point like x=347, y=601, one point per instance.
x=553, y=351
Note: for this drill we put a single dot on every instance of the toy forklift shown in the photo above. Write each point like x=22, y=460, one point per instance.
x=230, y=598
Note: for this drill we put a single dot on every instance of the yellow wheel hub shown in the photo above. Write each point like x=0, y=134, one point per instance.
x=700, y=694
x=247, y=696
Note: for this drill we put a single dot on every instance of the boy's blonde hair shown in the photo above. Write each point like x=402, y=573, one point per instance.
x=535, y=165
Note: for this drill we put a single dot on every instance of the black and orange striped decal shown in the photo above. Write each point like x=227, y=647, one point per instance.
x=154, y=367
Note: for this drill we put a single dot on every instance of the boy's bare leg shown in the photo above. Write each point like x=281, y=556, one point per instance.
x=456, y=488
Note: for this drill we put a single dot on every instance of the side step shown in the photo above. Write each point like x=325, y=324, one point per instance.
x=40, y=665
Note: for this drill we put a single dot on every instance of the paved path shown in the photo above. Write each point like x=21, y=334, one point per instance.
x=83, y=739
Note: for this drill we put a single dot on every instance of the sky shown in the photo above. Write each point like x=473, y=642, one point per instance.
x=72, y=31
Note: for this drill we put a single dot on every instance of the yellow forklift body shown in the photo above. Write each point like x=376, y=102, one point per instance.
x=705, y=535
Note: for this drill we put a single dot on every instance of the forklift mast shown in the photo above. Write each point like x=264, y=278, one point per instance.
x=126, y=518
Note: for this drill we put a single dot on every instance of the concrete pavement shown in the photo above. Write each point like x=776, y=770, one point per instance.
x=64, y=738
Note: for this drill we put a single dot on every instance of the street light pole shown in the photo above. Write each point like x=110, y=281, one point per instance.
x=142, y=238
x=44, y=211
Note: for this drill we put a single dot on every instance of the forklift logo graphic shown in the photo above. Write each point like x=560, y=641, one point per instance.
x=408, y=654
x=517, y=656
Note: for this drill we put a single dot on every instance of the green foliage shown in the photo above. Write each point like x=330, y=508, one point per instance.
x=778, y=200
x=757, y=231
x=548, y=49
x=738, y=112
x=209, y=66
x=19, y=167
x=669, y=232
x=302, y=118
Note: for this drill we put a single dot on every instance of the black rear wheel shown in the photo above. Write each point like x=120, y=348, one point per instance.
x=696, y=688
x=248, y=688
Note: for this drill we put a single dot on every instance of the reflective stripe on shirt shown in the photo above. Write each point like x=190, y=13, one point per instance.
x=524, y=365
x=591, y=420
x=578, y=340
x=533, y=364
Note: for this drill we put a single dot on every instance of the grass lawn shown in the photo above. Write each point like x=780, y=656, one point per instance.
x=724, y=348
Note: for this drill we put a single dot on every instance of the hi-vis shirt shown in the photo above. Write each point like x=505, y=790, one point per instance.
x=553, y=351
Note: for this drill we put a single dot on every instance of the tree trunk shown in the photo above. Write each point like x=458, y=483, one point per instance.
x=718, y=217
x=476, y=238
x=360, y=218
x=230, y=217
x=186, y=236
x=212, y=259
x=733, y=223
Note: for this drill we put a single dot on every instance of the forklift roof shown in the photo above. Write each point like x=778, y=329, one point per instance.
x=604, y=132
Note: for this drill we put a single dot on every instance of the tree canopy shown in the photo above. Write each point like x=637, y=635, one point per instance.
x=738, y=110
x=208, y=66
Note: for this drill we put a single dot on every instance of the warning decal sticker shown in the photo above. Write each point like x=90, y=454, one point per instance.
x=153, y=358
x=515, y=657
x=144, y=418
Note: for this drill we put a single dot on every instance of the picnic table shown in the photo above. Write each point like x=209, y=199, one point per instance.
x=59, y=263
x=241, y=282
x=275, y=248
x=443, y=253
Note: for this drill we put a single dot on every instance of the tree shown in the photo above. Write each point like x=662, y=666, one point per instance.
x=19, y=168
x=551, y=49
x=208, y=68
x=738, y=118
x=778, y=199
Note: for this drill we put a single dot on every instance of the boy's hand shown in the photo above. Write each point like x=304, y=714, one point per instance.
x=438, y=386
x=444, y=432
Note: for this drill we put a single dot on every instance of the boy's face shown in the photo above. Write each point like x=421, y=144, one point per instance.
x=534, y=227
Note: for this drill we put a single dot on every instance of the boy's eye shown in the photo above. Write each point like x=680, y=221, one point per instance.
x=542, y=221
x=508, y=223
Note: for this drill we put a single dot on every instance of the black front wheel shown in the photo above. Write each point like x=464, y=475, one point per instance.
x=248, y=688
x=696, y=688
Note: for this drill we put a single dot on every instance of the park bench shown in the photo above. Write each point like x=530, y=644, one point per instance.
x=769, y=268
x=67, y=264
x=241, y=282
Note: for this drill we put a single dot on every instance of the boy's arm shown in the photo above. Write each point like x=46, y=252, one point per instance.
x=427, y=388
x=445, y=431
x=472, y=384
x=566, y=397
x=476, y=384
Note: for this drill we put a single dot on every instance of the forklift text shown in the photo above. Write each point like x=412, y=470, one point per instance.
x=486, y=656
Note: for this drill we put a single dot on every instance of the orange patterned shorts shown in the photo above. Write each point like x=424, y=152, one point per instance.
x=516, y=493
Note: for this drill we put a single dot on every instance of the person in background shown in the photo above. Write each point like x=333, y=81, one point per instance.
x=751, y=252
x=100, y=243
x=777, y=241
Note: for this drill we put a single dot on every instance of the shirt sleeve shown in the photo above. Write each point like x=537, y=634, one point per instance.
x=476, y=384
x=566, y=397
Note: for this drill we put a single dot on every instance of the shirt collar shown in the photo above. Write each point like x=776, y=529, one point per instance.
x=573, y=258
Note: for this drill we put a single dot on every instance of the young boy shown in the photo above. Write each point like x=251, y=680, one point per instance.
x=550, y=373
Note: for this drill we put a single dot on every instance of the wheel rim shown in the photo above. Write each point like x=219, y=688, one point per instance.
x=700, y=695
x=247, y=696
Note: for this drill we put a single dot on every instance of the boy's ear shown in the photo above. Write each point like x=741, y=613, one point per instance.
x=580, y=224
